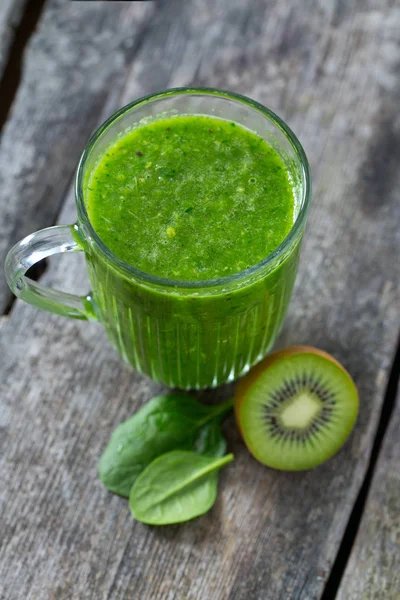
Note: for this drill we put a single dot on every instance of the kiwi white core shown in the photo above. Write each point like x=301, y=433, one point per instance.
x=300, y=411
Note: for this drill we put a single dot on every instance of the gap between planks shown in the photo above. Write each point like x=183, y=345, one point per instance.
x=350, y=534
x=9, y=83
x=12, y=72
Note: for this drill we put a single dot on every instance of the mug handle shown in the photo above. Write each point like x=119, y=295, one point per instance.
x=32, y=249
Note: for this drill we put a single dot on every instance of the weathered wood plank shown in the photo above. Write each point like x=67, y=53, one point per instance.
x=373, y=570
x=11, y=12
x=271, y=535
x=74, y=61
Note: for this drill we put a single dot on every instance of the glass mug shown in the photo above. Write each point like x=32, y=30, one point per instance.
x=186, y=334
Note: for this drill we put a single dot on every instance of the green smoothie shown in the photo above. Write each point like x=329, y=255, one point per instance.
x=191, y=198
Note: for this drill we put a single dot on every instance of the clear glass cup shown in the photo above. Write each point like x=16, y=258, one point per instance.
x=185, y=334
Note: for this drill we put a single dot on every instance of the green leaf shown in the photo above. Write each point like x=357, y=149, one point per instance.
x=176, y=487
x=209, y=440
x=166, y=423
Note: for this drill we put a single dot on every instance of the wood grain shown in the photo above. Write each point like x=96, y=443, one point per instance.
x=76, y=59
x=373, y=570
x=330, y=71
x=11, y=12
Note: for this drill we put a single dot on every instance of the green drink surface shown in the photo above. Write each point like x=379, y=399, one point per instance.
x=191, y=198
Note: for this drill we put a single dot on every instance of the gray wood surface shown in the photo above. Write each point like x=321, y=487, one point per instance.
x=11, y=12
x=373, y=570
x=330, y=71
x=73, y=63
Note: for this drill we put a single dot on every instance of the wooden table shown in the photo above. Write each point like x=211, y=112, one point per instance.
x=330, y=69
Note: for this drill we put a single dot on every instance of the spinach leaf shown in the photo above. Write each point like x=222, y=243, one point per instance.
x=176, y=487
x=166, y=423
x=209, y=440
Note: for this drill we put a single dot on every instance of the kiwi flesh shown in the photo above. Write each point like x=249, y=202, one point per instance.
x=297, y=410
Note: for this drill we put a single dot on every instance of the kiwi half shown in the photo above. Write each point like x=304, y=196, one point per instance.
x=296, y=409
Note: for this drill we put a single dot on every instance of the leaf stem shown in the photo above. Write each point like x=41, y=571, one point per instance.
x=223, y=408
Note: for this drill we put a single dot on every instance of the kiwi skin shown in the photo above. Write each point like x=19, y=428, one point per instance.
x=247, y=381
